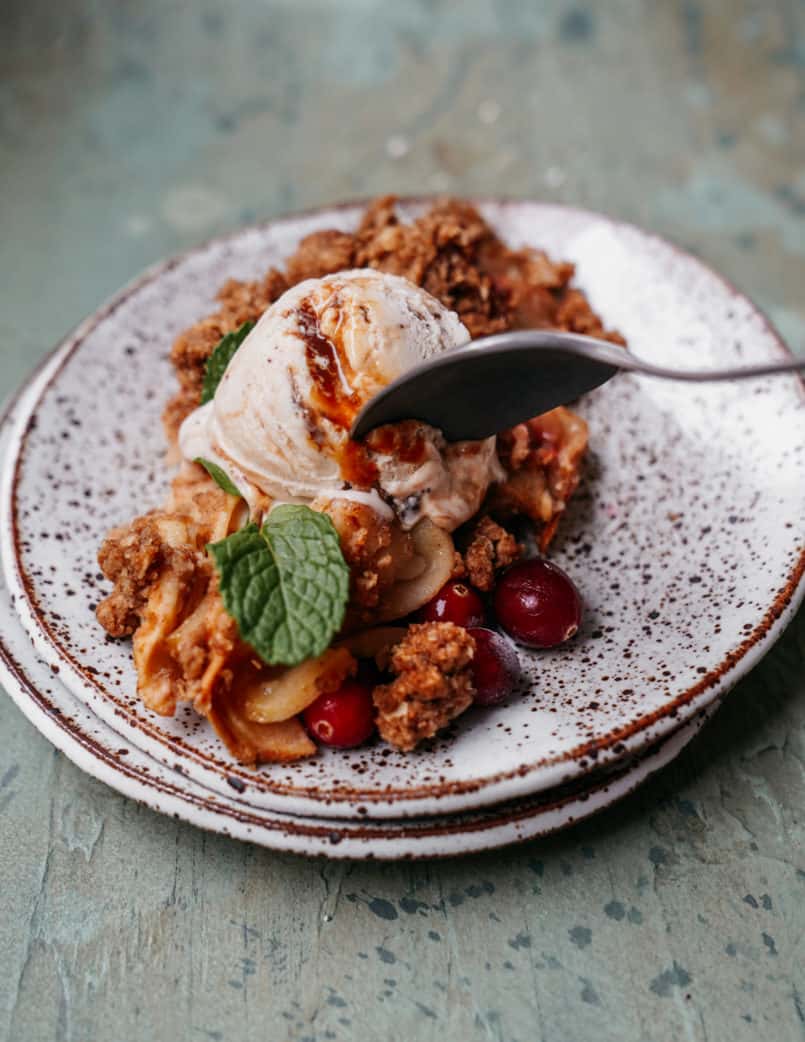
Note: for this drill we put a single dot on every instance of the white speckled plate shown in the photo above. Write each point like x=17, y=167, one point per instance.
x=94, y=747
x=687, y=539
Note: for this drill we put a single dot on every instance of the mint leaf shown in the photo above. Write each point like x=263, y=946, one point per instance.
x=218, y=475
x=285, y=584
x=220, y=358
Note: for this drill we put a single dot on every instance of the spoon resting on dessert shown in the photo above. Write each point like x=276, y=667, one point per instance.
x=498, y=381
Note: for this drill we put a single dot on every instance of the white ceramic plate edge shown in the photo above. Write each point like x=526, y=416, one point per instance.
x=137, y=777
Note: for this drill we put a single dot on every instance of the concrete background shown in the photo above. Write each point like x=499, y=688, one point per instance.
x=132, y=129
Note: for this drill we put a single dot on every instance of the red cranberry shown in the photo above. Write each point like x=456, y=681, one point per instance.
x=343, y=718
x=495, y=667
x=455, y=602
x=537, y=604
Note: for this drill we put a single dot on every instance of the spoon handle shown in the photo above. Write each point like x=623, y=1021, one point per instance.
x=744, y=372
x=618, y=357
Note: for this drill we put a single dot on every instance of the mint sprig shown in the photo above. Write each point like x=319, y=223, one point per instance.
x=286, y=584
x=220, y=358
x=218, y=475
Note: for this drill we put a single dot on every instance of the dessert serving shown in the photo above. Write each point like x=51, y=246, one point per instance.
x=300, y=587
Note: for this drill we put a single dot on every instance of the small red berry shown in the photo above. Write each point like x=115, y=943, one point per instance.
x=455, y=602
x=495, y=667
x=537, y=604
x=343, y=718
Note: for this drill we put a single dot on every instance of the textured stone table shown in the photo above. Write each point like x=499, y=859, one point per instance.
x=129, y=130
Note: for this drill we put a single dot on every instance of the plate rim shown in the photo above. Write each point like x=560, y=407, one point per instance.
x=616, y=744
x=488, y=829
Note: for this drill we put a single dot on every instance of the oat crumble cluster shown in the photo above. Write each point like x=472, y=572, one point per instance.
x=432, y=686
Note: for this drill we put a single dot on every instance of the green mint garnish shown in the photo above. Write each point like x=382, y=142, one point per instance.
x=220, y=359
x=218, y=475
x=286, y=584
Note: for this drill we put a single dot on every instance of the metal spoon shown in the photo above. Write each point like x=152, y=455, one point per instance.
x=501, y=380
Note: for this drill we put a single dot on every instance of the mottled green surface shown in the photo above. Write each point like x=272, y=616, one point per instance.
x=129, y=130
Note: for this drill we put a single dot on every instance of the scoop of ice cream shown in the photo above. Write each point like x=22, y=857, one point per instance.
x=280, y=419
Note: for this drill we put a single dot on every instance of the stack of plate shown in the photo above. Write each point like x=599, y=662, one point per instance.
x=686, y=540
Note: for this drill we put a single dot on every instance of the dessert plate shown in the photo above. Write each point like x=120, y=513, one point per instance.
x=99, y=751
x=687, y=538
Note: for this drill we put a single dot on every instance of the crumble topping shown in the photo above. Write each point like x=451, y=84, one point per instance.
x=375, y=551
x=542, y=458
x=133, y=557
x=166, y=594
x=489, y=549
x=433, y=683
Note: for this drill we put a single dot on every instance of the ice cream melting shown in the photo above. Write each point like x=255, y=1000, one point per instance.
x=280, y=419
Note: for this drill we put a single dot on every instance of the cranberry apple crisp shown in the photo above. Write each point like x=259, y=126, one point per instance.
x=299, y=587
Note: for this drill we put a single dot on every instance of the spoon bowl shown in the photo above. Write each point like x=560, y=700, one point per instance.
x=498, y=381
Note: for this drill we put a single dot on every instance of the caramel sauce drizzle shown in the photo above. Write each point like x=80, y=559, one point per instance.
x=404, y=441
x=333, y=398
x=329, y=371
x=357, y=466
